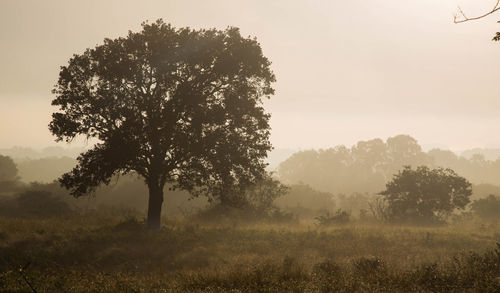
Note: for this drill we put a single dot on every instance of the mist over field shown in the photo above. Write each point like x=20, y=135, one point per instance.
x=262, y=146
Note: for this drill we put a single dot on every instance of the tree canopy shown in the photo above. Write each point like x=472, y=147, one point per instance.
x=425, y=195
x=178, y=106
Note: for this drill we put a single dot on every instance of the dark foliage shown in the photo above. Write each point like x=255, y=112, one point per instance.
x=425, y=195
x=339, y=217
x=177, y=106
x=496, y=38
x=261, y=195
x=34, y=204
x=254, y=204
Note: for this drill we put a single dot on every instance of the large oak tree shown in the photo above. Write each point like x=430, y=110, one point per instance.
x=178, y=106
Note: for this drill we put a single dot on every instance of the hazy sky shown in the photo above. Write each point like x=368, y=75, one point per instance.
x=347, y=70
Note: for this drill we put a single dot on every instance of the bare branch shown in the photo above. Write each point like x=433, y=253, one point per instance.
x=21, y=272
x=461, y=17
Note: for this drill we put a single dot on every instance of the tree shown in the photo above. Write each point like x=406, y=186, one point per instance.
x=178, y=106
x=260, y=196
x=460, y=17
x=487, y=208
x=9, y=179
x=425, y=195
x=365, y=167
x=41, y=203
x=8, y=169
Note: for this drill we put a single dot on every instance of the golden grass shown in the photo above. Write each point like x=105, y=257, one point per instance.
x=108, y=254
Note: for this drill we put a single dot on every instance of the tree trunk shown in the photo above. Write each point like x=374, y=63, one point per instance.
x=154, y=206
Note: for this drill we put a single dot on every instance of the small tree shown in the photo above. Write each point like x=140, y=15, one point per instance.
x=177, y=106
x=252, y=202
x=257, y=197
x=261, y=195
x=487, y=208
x=9, y=179
x=8, y=169
x=424, y=195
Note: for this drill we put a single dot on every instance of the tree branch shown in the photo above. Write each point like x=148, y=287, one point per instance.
x=464, y=18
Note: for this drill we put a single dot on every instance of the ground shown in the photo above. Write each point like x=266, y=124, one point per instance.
x=98, y=253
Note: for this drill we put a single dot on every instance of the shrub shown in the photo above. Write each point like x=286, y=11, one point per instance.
x=369, y=267
x=34, y=203
x=340, y=217
x=424, y=195
x=306, y=201
x=487, y=208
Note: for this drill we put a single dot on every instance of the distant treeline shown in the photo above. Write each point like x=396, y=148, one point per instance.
x=127, y=194
x=22, y=153
x=43, y=165
x=369, y=165
x=319, y=181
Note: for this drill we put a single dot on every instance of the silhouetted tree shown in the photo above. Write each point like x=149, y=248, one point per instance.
x=425, y=195
x=178, y=106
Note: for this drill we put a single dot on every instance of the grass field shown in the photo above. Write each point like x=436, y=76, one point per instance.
x=111, y=254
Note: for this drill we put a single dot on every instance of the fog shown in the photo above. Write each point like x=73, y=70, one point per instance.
x=249, y=146
x=346, y=70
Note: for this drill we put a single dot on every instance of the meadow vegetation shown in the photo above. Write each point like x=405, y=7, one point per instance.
x=106, y=251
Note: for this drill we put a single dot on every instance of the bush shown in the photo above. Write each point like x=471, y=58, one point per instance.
x=131, y=224
x=306, y=201
x=42, y=204
x=425, y=196
x=369, y=268
x=340, y=217
x=487, y=208
x=34, y=203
